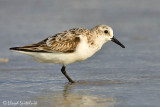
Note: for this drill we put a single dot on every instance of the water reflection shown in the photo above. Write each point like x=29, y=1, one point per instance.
x=67, y=98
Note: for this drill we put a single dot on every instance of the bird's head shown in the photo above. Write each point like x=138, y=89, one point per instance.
x=106, y=34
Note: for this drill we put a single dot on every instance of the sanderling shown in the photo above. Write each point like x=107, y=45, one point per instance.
x=70, y=46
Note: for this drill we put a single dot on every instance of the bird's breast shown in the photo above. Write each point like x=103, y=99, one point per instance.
x=84, y=50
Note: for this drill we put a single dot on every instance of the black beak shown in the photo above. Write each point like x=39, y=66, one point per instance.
x=117, y=42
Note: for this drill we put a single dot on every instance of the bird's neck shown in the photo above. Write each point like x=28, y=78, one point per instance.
x=96, y=42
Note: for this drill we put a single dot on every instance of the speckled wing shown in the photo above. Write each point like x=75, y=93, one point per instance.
x=65, y=42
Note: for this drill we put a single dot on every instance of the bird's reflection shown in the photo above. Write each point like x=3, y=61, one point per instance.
x=68, y=98
x=67, y=88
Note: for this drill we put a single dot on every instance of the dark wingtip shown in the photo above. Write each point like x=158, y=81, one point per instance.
x=14, y=48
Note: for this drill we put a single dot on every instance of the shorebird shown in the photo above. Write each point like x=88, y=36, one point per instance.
x=70, y=46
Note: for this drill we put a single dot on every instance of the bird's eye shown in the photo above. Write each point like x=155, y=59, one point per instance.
x=106, y=31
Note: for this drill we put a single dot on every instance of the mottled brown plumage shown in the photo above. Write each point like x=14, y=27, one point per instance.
x=65, y=42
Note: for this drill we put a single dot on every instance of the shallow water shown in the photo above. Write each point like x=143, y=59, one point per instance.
x=113, y=77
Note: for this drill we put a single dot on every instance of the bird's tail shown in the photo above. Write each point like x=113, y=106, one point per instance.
x=21, y=49
x=15, y=48
x=18, y=49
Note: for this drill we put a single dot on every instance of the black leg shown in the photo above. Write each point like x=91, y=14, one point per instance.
x=65, y=74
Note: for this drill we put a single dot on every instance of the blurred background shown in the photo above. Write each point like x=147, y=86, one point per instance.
x=113, y=77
